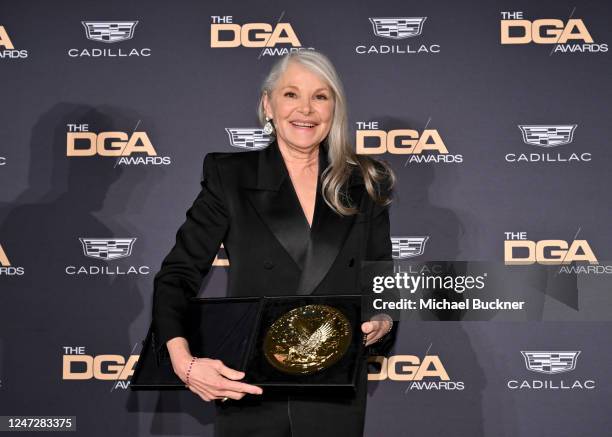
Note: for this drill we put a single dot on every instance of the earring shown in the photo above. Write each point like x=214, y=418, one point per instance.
x=268, y=127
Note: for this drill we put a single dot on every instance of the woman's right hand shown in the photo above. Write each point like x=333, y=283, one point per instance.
x=211, y=379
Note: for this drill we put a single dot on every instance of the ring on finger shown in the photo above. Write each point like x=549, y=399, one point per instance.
x=224, y=399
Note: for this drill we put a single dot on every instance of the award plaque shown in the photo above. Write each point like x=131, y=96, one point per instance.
x=280, y=342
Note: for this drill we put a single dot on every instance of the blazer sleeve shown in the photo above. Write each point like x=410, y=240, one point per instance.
x=379, y=241
x=379, y=248
x=197, y=242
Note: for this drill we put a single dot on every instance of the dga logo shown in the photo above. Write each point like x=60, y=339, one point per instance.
x=274, y=40
x=77, y=366
x=547, y=252
x=428, y=374
x=424, y=147
x=408, y=247
x=397, y=28
x=550, y=363
x=6, y=268
x=109, y=32
x=2, y=160
x=518, y=250
x=548, y=137
x=248, y=138
x=107, y=249
x=8, y=49
x=129, y=148
x=567, y=37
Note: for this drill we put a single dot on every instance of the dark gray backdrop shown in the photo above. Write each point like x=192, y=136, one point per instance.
x=474, y=92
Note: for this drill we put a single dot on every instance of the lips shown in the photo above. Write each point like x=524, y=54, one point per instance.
x=303, y=124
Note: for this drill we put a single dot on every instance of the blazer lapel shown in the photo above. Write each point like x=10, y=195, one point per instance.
x=276, y=203
x=313, y=250
x=328, y=233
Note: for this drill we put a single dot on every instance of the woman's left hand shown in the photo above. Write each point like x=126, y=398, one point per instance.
x=375, y=329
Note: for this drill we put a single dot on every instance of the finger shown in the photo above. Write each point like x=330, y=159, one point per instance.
x=373, y=337
x=370, y=327
x=205, y=398
x=223, y=392
x=370, y=339
x=228, y=372
x=222, y=383
x=230, y=394
x=367, y=327
x=242, y=387
x=203, y=388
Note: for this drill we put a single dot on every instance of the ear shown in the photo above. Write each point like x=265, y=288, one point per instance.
x=267, y=106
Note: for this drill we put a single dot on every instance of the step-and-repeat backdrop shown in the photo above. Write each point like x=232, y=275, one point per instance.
x=494, y=115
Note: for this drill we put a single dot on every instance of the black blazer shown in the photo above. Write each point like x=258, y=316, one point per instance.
x=248, y=203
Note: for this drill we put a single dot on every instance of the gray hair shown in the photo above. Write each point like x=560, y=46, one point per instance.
x=341, y=155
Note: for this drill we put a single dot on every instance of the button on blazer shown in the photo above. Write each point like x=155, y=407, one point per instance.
x=248, y=203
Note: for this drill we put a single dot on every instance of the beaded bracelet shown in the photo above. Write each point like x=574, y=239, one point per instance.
x=193, y=359
x=388, y=330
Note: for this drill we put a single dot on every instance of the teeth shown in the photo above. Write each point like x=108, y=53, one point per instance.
x=302, y=124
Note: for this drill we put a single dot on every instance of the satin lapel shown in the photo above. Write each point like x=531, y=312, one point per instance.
x=275, y=202
x=328, y=233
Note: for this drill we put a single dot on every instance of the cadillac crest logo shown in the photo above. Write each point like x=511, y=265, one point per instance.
x=398, y=28
x=550, y=362
x=107, y=248
x=109, y=31
x=548, y=136
x=248, y=138
x=408, y=247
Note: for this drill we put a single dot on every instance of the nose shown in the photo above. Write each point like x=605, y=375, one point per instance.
x=305, y=105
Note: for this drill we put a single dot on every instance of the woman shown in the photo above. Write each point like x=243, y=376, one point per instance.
x=298, y=216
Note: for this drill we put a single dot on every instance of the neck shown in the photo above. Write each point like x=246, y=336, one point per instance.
x=299, y=158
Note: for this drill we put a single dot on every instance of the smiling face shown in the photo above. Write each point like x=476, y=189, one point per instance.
x=301, y=107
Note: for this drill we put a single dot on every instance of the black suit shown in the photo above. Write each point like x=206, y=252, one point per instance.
x=248, y=202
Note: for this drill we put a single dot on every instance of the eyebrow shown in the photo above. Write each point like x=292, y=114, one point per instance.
x=318, y=89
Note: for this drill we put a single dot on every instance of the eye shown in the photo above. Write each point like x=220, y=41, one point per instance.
x=321, y=97
x=289, y=94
